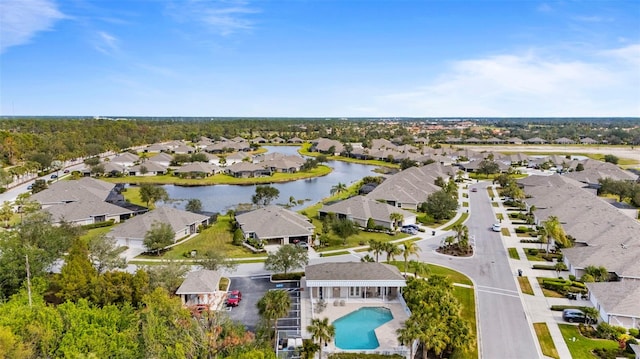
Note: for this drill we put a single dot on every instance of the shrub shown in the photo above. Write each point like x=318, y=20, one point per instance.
x=522, y=229
x=532, y=251
x=99, y=224
x=606, y=331
x=543, y=266
x=559, y=308
x=634, y=332
x=288, y=276
x=572, y=277
x=238, y=237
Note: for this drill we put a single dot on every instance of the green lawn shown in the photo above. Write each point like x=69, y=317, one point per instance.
x=513, y=253
x=217, y=237
x=455, y=276
x=321, y=170
x=94, y=233
x=581, y=348
x=545, y=340
x=332, y=254
x=505, y=231
x=467, y=299
x=460, y=220
x=548, y=292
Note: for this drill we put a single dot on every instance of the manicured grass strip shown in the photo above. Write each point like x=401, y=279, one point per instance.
x=465, y=204
x=545, y=340
x=455, y=276
x=495, y=204
x=332, y=254
x=460, y=220
x=582, y=347
x=513, y=253
x=505, y=231
x=525, y=285
x=499, y=216
x=468, y=302
x=490, y=192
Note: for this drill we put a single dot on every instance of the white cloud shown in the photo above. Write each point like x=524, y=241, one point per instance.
x=528, y=85
x=222, y=17
x=106, y=43
x=21, y=20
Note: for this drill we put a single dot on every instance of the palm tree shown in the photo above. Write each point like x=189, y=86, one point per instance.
x=555, y=232
x=396, y=218
x=542, y=236
x=419, y=268
x=322, y=331
x=376, y=247
x=407, y=334
x=392, y=250
x=559, y=267
x=409, y=249
x=591, y=313
x=275, y=304
x=339, y=188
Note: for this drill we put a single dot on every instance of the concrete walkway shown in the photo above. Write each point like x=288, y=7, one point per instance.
x=537, y=306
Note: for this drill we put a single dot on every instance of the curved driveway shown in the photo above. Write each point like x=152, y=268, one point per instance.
x=504, y=331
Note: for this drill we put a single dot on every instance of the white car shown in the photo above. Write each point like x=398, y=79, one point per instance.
x=496, y=227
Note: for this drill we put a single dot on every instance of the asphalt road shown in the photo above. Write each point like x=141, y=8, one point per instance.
x=504, y=331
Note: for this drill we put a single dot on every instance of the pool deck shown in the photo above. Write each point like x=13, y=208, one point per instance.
x=385, y=333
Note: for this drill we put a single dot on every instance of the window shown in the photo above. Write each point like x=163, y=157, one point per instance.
x=354, y=291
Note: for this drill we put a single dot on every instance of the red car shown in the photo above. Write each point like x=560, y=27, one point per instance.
x=233, y=298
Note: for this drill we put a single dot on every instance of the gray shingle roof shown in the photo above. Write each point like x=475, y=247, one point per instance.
x=352, y=271
x=590, y=220
x=200, y=282
x=412, y=185
x=363, y=208
x=138, y=226
x=84, y=210
x=74, y=191
x=618, y=297
x=274, y=222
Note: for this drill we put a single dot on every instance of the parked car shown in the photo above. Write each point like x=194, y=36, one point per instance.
x=30, y=187
x=233, y=298
x=575, y=316
x=408, y=230
x=496, y=227
x=66, y=171
x=54, y=176
x=474, y=189
x=302, y=244
x=412, y=226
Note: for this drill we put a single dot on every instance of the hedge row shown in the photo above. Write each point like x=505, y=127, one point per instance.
x=288, y=276
x=559, y=308
x=108, y=223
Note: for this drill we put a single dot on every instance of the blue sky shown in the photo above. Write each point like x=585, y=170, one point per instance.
x=320, y=58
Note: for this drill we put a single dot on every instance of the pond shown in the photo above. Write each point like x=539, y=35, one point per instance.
x=220, y=198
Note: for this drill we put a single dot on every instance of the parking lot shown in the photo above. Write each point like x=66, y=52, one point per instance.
x=254, y=288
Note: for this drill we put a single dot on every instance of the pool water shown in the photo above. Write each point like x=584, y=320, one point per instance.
x=356, y=329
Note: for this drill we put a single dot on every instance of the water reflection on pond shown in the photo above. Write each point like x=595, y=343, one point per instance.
x=220, y=198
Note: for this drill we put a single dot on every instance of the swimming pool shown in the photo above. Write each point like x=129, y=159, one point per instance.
x=356, y=329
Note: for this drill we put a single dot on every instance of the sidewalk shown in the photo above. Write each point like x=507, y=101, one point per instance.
x=537, y=306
